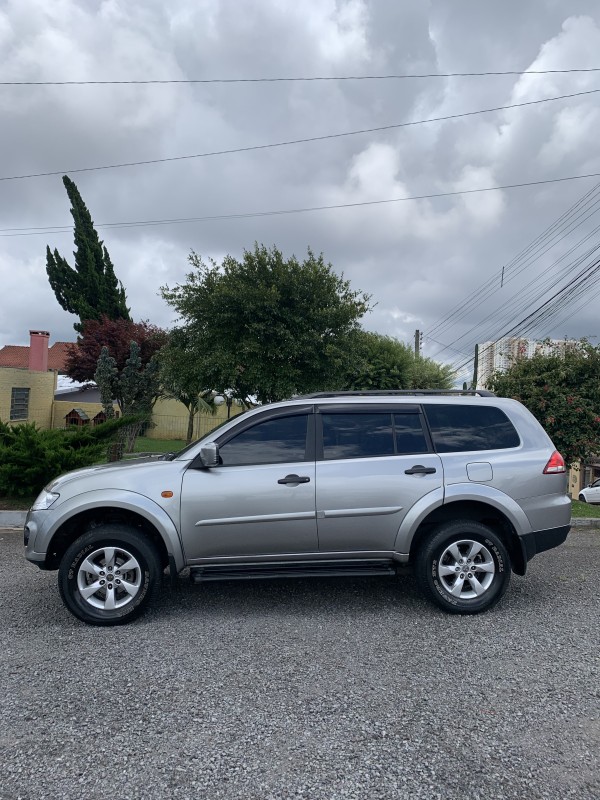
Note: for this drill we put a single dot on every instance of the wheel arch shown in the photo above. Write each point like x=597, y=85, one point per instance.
x=158, y=527
x=476, y=511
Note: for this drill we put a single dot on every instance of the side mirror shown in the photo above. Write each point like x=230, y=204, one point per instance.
x=209, y=454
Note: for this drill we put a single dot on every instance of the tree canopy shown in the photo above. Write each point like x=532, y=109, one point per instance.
x=135, y=387
x=116, y=335
x=182, y=378
x=562, y=390
x=266, y=326
x=90, y=289
x=381, y=362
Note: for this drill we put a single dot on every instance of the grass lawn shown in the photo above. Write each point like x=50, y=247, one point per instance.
x=585, y=509
x=145, y=445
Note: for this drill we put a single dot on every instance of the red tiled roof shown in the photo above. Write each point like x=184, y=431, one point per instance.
x=57, y=355
x=17, y=356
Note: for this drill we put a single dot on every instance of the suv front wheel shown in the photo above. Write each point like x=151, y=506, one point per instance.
x=109, y=574
x=463, y=567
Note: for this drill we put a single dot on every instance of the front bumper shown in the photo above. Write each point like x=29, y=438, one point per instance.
x=35, y=522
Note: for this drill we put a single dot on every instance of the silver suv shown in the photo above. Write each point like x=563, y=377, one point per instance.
x=464, y=487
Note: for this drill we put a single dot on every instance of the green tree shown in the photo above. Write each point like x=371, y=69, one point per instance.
x=267, y=326
x=381, y=362
x=135, y=388
x=378, y=362
x=91, y=289
x=426, y=373
x=138, y=386
x=182, y=378
x=561, y=388
x=106, y=375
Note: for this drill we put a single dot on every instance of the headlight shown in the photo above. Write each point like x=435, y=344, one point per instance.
x=44, y=500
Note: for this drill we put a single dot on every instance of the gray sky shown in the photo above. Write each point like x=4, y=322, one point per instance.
x=418, y=259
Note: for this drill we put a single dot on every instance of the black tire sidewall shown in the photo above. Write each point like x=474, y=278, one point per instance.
x=429, y=558
x=109, y=535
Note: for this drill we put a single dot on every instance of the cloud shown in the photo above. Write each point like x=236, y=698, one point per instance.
x=419, y=260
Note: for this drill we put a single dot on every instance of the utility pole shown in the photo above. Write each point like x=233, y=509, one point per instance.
x=418, y=342
x=475, y=366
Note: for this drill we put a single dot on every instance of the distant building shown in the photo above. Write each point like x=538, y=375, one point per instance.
x=32, y=389
x=499, y=356
x=38, y=356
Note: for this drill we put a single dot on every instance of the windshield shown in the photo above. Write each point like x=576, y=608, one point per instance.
x=208, y=436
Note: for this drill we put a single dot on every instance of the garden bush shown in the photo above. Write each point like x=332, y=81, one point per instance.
x=31, y=457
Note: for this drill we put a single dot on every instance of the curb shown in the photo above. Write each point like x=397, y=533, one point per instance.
x=585, y=522
x=16, y=519
x=12, y=519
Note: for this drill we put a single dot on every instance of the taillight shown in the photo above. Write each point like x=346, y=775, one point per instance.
x=555, y=464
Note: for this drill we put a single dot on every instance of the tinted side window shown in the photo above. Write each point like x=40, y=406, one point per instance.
x=357, y=435
x=274, y=441
x=409, y=434
x=362, y=435
x=465, y=427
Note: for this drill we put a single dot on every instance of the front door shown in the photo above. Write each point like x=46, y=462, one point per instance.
x=374, y=464
x=252, y=504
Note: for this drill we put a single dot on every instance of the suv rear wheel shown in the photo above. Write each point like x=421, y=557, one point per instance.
x=463, y=567
x=109, y=575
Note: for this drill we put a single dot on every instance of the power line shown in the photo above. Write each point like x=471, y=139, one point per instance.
x=298, y=141
x=545, y=244
x=408, y=76
x=487, y=286
x=549, y=308
x=35, y=231
x=460, y=352
x=564, y=225
x=520, y=302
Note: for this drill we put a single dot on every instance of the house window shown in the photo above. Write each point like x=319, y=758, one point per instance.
x=19, y=404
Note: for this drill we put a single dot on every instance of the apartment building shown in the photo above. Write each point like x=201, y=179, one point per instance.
x=498, y=356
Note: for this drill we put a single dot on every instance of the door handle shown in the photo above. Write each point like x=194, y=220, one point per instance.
x=419, y=469
x=295, y=479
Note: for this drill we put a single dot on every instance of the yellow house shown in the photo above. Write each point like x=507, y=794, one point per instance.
x=28, y=393
x=27, y=385
x=27, y=396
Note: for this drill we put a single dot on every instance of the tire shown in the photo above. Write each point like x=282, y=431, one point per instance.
x=446, y=579
x=85, y=584
x=582, y=498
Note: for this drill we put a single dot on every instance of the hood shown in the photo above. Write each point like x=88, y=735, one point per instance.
x=106, y=470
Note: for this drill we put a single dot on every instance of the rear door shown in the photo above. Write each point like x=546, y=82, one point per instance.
x=374, y=463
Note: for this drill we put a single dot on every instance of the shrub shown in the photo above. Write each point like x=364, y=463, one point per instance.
x=30, y=457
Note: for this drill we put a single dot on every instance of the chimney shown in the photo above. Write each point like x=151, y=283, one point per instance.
x=38, y=351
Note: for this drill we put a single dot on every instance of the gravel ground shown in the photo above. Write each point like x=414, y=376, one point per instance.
x=320, y=689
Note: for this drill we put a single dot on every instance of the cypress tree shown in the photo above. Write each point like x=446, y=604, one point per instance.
x=91, y=289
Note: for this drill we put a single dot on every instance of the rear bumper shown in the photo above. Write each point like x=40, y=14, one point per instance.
x=538, y=541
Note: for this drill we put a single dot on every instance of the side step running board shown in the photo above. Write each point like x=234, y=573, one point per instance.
x=295, y=569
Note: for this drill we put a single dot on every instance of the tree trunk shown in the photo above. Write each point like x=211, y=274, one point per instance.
x=190, y=429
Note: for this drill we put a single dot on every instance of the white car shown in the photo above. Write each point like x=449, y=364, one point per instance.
x=591, y=493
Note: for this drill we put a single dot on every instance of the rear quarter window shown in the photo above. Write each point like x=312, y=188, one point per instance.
x=456, y=429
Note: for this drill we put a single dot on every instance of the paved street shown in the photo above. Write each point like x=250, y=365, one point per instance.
x=318, y=689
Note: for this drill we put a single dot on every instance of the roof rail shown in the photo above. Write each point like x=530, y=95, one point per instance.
x=394, y=392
